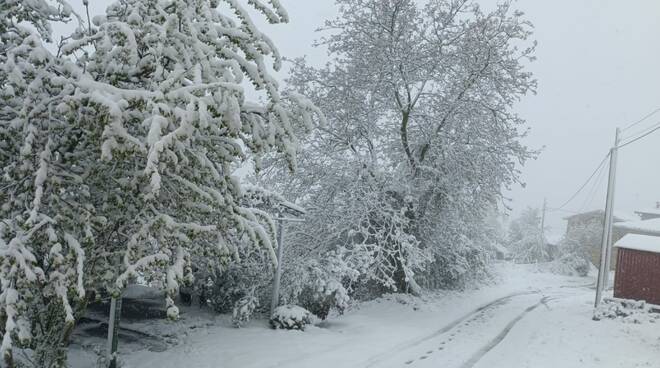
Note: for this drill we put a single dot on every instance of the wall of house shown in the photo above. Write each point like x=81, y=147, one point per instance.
x=637, y=276
x=587, y=231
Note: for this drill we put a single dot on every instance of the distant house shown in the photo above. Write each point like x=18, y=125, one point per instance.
x=587, y=229
x=649, y=227
x=650, y=213
x=638, y=268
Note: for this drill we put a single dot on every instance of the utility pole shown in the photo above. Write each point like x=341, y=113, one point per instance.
x=113, y=330
x=542, y=234
x=606, y=245
x=275, y=301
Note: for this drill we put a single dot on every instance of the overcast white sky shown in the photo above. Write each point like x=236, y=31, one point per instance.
x=598, y=68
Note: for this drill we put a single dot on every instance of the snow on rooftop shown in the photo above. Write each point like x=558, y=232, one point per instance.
x=651, y=227
x=644, y=243
x=650, y=211
x=618, y=215
x=624, y=216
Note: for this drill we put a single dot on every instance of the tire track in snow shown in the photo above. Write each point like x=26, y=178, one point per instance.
x=502, y=335
x=448, y=327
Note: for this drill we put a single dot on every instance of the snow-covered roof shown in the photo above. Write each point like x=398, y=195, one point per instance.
x=649, y=211
x=618, y=215
x=624, y=216
x=650, y=227
x=644, y=243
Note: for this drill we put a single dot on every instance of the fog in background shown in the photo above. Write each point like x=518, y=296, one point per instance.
x=598, y=67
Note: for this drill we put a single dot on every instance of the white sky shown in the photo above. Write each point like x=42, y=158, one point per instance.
x=598, y=67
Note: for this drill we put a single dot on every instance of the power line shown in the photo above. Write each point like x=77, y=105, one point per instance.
x=594, y=189
x=641, y=120
x=551, y=209
x=585, y=183
x=600, y=168
x=640, y=132
x=643, y=134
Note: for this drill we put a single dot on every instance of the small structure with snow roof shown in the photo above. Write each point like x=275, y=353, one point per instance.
x=638, y=268
x=649, y=227
x=650, y=213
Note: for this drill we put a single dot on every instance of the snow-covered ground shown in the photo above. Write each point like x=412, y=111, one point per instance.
x=527, y=319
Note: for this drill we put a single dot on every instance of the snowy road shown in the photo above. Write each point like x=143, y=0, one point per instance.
x=463, y=343
x=528, y=320
x=479, y=316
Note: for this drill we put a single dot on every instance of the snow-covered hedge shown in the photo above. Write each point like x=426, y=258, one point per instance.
x=291, y=317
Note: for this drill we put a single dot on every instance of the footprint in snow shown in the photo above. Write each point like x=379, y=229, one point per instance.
x=409, y=362
x=423, y=357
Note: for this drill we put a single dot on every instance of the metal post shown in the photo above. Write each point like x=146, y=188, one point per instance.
x=278, y=270
x=542, y=230
x=113, y=331
x=606, y=245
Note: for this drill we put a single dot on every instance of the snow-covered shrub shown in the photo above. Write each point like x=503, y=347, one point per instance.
x=575, y=250
x=525, y=241
x=319, y=285
x=236, y=282
x=324, y=296
x=291, y=317
x=244, y=308
x=629, y=311
x=570, y=264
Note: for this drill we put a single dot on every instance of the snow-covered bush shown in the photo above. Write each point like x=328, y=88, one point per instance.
x=575, y=250
x=291, y=317
x=525, y=240
x=244, y=308
x=629, y=311
x=570, y=264
x=321, y=291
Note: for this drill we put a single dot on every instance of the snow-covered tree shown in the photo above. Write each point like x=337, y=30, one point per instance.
x=525, y=241
x=421, y=137
x=42, y=235
x=120, y=165
x=171, y=78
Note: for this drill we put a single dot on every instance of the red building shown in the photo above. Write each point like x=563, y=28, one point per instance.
x=638, y=268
